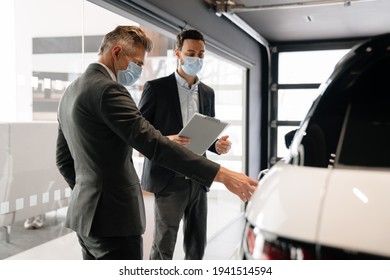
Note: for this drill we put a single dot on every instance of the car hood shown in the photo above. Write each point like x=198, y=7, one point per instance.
x=341, y=208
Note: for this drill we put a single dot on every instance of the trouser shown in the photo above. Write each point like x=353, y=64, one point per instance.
x=182, y=198
x=111, y=248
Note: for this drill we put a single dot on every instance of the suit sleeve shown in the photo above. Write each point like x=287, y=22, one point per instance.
x=122, y=115
x=64, y=160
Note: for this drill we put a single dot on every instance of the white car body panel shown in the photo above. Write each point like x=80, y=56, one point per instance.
x=288, y=201
x=356, y=211
x=332, y=207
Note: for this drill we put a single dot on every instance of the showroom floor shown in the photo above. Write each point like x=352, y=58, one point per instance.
x=54, y=241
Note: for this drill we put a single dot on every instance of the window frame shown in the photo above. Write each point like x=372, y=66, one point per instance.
x=275, y=86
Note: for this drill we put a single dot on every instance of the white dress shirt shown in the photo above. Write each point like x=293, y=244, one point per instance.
x=189, y=98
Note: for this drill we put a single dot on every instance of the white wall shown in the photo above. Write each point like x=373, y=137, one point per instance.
x=7, y=68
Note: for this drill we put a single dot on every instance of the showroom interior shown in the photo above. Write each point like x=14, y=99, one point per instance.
x=267, y=62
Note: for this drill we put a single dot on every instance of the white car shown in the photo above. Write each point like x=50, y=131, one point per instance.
x=330, y=198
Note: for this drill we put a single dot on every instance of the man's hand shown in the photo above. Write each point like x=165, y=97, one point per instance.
x=184, y=141
x=223, y=145
x=238, y=183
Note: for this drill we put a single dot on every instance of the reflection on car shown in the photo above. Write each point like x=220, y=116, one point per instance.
x=330, y=197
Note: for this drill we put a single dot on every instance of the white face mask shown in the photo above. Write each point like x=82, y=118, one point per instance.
x=130, y=75
x=192, y=65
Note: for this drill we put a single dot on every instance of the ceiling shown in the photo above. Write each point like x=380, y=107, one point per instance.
x=292, y=20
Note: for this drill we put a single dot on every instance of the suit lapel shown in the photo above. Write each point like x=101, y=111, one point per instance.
x=174, y=97
x=201, y=98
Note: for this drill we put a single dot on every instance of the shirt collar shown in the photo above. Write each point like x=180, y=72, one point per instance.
x=183, y=83
x=112, y=75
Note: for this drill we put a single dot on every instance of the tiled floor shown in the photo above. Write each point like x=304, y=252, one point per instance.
x=63, y=244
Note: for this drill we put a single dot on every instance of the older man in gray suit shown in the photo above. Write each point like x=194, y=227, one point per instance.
x=99, y=125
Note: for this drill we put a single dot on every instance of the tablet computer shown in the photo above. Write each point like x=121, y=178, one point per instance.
x=203, y=131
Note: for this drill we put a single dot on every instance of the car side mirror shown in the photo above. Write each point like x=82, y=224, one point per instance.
x=262, y=174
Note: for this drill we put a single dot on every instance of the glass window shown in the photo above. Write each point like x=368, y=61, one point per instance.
x=293, y=104
x=300, y=72
x=282, y=141
x=307, y=66
x=43, y=59
x=366, y=140
x=366, y=130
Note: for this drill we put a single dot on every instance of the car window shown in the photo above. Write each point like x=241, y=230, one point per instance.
x=350, y=126
x=318, y=143
x=365, y=139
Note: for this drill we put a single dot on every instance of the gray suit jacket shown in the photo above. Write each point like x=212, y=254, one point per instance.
x=99, y=125
x=160, y=105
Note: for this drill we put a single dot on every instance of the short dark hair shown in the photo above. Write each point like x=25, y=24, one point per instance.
x=129, y=36
x=188, y=34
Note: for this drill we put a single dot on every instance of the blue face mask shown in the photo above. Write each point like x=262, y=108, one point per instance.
x=130, y=75
x=192, y=65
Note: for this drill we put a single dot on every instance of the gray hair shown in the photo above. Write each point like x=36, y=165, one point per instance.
x=128, y=36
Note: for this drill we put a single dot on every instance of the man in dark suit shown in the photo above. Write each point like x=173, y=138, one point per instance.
x=99, y=125
x=168, y=103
